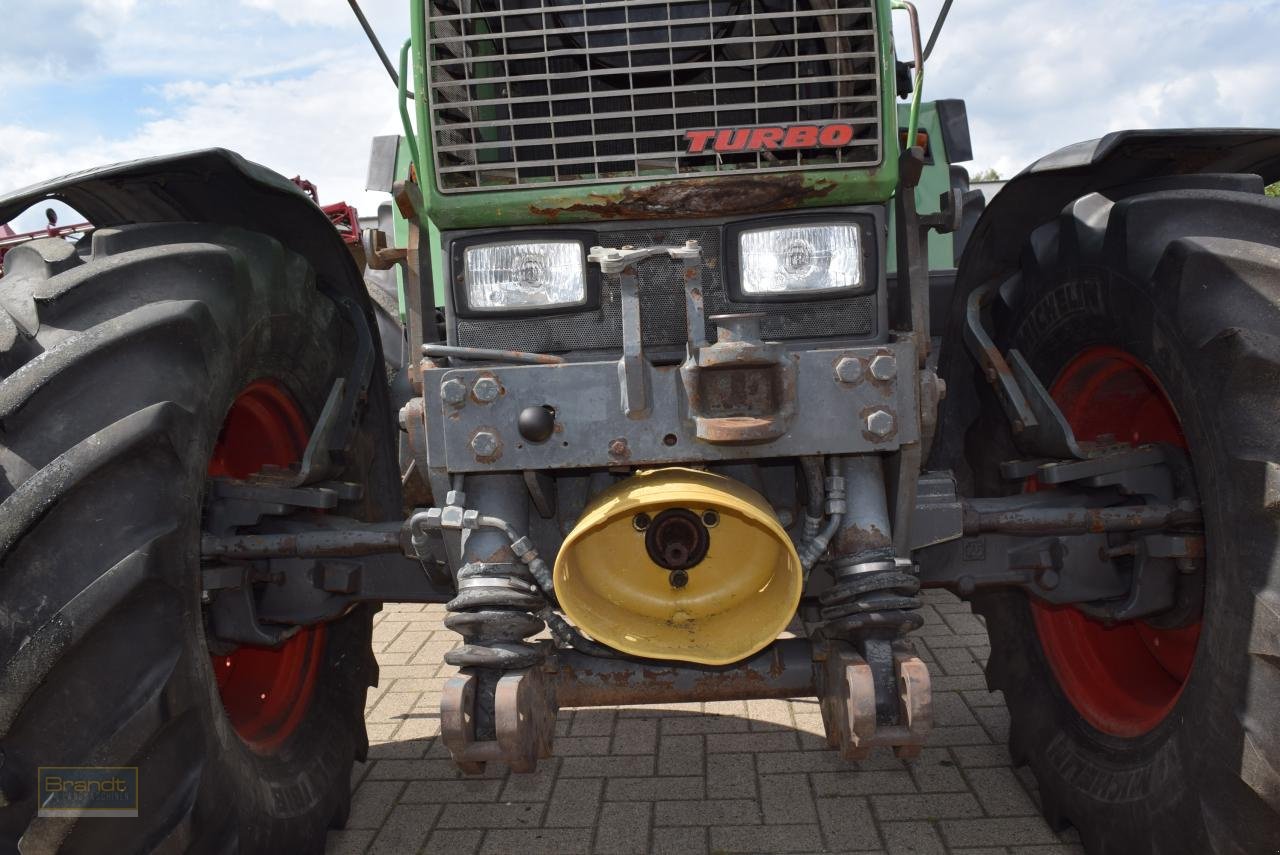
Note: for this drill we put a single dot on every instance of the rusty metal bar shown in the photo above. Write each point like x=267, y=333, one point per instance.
x=312, y=544
x=782, y=670
x=484, y=354
x=1064, y=520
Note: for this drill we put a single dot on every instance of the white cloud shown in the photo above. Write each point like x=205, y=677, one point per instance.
x=318, y=126
x=1040, y=74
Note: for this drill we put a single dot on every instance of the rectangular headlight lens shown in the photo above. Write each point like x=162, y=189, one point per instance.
x=799, y=259
x=525, y=275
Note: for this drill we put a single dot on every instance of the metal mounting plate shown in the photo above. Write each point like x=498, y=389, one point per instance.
x=591, y=428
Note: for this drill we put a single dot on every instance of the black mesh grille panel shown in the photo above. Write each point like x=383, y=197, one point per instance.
x=662, y=307
x=535, y=92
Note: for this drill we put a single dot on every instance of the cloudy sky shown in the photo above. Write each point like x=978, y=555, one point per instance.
x=292, y=83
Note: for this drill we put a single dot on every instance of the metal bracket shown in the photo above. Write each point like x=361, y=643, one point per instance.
x=848, y=704
x=632, y=376
x=1039, y=428
x=524, y=709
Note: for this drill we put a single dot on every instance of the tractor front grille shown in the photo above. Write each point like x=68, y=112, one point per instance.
x=662, y=306
x=534, y=92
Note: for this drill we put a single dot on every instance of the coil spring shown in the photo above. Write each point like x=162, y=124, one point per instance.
x=869, y=598
x=494, y=614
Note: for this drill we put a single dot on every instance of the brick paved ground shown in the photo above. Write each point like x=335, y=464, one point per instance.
x=746, y=777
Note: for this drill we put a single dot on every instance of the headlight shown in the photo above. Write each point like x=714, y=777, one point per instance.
x=537, y=275
x=799, y=260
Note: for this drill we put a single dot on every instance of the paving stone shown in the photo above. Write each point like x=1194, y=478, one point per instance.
x=405, y=829
x=787, y=799
x=581, y=746
x=531, y=788
x=731, y=776
x=996, y=832
x=608, y=767
x=732, y=743
x=707, y=812
x=653, y=789
x=848, y=783
x=680, y=755
x=451, y=792
x=371, y=802
x=847, y=823
x=976, y=756
x=936, y=772
x=911, y=838
x=451, y=841
x=623, y=829
x=925, y=806
x=348, y=842
x=766, y=838
x=593, y=722
x=538, y=841
x=574, y=802
x=635, y=736
x=679, y=841
x=514, y=815
x=705, y=724
x=1000, y=792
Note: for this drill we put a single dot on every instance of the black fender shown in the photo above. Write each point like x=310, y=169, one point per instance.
x=1117, y=165
x=210, y=186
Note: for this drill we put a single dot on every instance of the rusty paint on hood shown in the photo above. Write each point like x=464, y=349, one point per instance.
x=699, y=197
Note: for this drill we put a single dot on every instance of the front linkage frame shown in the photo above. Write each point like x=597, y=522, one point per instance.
x=488, y=439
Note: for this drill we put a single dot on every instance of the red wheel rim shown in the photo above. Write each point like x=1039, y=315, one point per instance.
x=1124, y=678
x=265, y=691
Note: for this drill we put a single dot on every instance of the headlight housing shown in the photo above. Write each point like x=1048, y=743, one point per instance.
x=798, y=261
x=533, y=275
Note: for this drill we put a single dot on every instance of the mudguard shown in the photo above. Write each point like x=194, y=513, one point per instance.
x=210, y=186
x=1117, y=165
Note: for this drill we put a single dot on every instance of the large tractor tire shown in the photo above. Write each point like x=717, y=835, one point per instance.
x=130, y=375
x=1156, y=319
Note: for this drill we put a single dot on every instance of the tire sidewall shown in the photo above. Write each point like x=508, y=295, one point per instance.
x=1147, y=786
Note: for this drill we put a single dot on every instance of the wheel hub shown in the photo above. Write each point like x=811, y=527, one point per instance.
x=265, y=691
x=1122, y=678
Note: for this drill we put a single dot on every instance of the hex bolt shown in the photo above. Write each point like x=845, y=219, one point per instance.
x=486, y=390
x=453, y=391
x=880, y=424
x=884, y=367
x=484, y=443
x=849, y=370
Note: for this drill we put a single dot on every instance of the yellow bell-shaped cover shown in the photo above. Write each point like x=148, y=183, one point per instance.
x=736, y=600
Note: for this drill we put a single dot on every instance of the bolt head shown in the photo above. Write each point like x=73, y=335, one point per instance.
x=880, y=423
x=884, y=367
x=453, y=391
x=484, y=443
x=848, y=370
x=486, y=390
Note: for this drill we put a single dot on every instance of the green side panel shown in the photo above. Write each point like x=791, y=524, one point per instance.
x=934, y=181
x=713, y=195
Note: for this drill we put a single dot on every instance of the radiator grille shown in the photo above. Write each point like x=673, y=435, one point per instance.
x=662, y=307
x=534, y=92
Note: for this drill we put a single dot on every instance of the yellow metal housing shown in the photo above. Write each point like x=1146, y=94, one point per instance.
x=737, y=600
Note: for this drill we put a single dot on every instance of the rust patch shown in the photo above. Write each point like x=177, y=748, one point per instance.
x=699, y=197
x=855, y=539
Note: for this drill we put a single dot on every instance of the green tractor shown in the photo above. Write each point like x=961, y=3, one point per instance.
x=714, y=366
